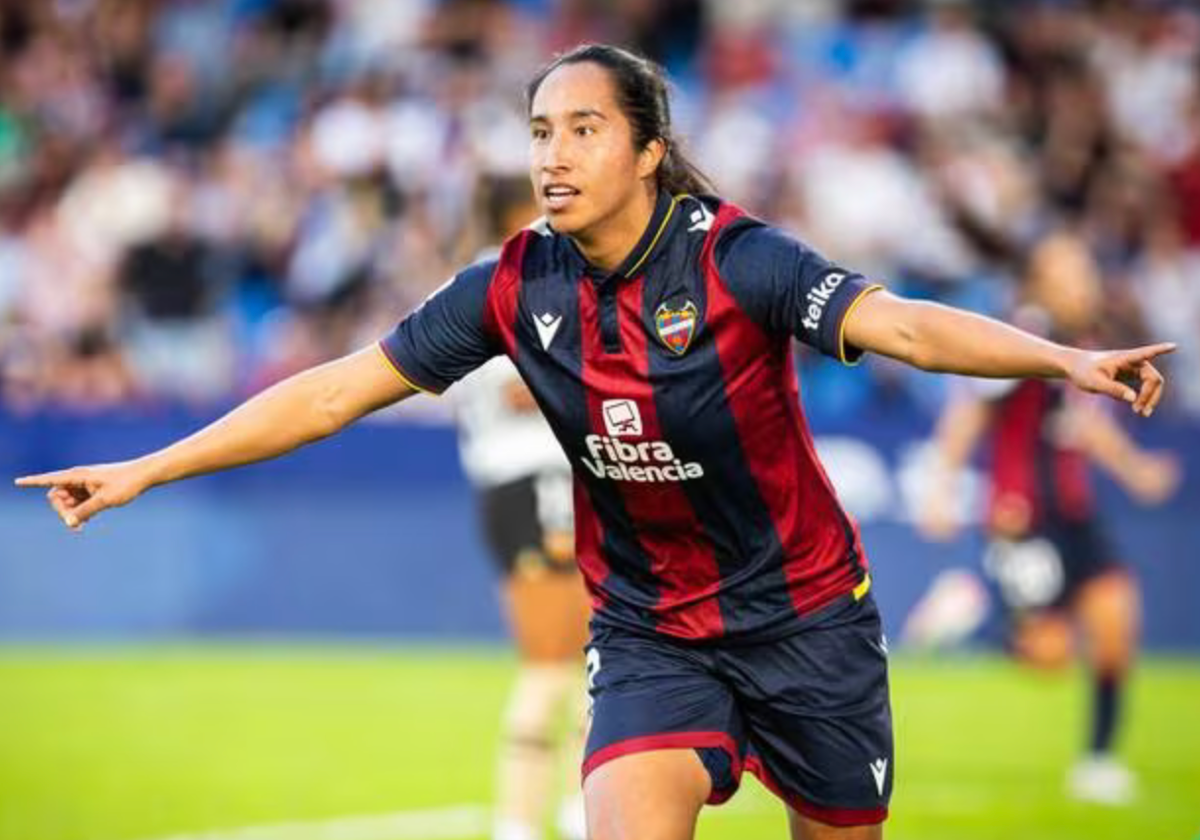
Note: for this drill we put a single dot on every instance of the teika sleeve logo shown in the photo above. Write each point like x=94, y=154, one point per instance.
x=818, y=296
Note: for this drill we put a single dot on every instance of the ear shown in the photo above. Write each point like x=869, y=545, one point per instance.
x=651, y=157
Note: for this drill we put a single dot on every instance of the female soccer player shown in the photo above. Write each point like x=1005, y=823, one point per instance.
x=1055, y=570
x=734, y=626
x=523, y=484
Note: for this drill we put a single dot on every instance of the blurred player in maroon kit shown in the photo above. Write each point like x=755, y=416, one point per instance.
x=1049, y=557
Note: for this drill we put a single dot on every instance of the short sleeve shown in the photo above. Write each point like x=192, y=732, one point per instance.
x=445, y=338
x=788, y=287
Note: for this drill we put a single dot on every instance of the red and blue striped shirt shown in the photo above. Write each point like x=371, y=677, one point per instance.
x=702, y=511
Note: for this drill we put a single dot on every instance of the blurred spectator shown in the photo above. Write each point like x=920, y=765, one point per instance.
x=200, y=196
x=173, y=285
x=1146, y=54
x=1167, y=273
x=951, y=70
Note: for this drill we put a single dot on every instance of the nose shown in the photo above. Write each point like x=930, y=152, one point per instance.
x=555, y=155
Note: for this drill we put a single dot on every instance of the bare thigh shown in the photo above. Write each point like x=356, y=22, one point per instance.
x=548, y=614
x=806, y=828
x=654, y=795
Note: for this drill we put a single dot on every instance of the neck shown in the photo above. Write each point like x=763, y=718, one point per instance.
x=608, y=242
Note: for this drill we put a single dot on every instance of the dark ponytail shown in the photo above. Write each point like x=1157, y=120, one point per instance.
x=641, y=88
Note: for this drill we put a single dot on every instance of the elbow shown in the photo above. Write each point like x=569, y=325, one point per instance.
x=917, y=333
x=897, y=329
x=909, y=346
x=328, y=411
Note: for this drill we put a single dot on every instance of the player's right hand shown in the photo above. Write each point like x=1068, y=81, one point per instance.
x=80, y=493
x=937, y=517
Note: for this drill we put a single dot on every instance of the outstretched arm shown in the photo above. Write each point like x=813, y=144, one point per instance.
x=301, y=409
x=943, y=339
x=1150, y=477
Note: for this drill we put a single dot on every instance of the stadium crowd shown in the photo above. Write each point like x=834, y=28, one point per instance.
x=198, y=197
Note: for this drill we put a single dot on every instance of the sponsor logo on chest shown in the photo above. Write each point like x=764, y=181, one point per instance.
x=644, y=462
x=622, y=418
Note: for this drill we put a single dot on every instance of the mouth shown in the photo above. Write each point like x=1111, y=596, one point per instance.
x=558, y=197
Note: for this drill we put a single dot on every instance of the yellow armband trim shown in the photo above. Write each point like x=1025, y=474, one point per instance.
x=874, y=287
x=400, y=373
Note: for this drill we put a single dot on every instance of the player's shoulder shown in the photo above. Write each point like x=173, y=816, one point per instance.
x=536, y=251
x=745, y=239
x=478, y=273
x=701, y=222
x=698, y=213
x=703, y=216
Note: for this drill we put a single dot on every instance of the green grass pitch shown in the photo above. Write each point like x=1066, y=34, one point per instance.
x=137, y=744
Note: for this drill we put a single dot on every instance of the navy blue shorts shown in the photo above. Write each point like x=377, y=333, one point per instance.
x=1046, y=569
x=808, y=714
x=528, y=523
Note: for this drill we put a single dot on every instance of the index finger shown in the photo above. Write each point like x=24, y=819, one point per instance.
x=50, y=479
x=1150, y=351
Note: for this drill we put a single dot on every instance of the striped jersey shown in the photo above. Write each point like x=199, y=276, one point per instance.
x=1034, y=469
x=701, y=509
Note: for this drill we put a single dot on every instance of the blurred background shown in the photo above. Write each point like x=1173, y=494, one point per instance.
x=200, y=197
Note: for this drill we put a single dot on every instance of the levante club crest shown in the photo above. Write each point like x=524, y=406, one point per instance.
x=676, y=325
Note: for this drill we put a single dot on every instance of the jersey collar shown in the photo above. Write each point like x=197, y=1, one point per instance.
x=652, y=239
x=664, y=210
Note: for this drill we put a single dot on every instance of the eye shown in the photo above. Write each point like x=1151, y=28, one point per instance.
x=539, y=133
x=585, y=130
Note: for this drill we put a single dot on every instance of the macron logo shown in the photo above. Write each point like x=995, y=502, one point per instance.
x=879, y=771
x=621, y=418
x=818, y=296
x=701, y=219
x=547, y=325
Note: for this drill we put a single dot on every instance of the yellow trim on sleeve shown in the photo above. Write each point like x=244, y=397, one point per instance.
x=874, y=287
x=862, y=589
x=400, y=373
x=657, y=235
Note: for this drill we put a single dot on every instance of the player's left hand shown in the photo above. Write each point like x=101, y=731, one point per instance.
x=1108, y=371
x=1154, y=478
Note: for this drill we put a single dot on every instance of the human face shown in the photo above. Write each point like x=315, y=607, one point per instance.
x=1066, y=283
x=588, y=179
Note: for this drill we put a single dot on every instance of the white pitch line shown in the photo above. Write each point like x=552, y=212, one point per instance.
x=452, y=823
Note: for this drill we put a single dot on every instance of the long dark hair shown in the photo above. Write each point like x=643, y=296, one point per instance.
x=642, y=95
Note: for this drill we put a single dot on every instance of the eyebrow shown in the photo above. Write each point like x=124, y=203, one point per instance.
x=582, y=113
